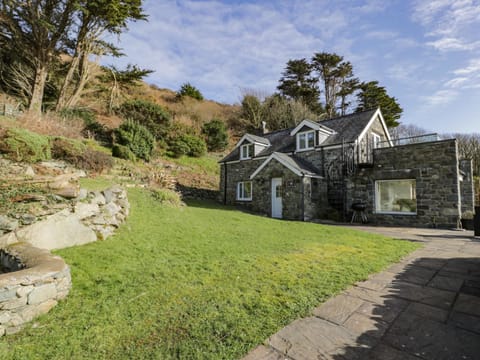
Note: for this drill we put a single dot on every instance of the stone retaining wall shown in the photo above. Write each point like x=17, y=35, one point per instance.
x=92, y=216
x=33, y=291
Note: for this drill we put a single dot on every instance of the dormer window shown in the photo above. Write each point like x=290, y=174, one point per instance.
x=306, y=140
x=310, y=134
x=246, y=151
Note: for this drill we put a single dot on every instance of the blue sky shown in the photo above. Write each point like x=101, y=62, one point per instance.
x=426, y=53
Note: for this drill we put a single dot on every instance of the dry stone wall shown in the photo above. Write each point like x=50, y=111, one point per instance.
x=33, y=290
x=92, y=216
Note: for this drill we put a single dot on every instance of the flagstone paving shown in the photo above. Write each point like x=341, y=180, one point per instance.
x=425, y=307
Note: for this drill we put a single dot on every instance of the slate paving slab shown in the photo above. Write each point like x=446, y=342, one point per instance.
x=427, y=306
x=468, y=304
x=338, y=309
x=432, y=340
x=446, y=283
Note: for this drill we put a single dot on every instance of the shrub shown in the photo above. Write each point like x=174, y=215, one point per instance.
x=154, y=117
x=137, y=138
x=80, y=155
x=177, y=147
x=216, y=135
x=167, y=196
x=95, y=161
x=189, y=90
x=23, y=145
x=186, y=144
x=123, y=152
x=92, y=128
x=63, y=148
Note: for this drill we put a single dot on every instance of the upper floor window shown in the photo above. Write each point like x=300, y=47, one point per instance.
x=306, y=140
x=246, y=151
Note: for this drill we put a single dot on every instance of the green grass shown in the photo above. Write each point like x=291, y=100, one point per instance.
x=196, y=282
x=207, y=163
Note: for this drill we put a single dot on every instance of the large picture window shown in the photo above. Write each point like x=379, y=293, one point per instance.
x=244, y=190
x=306, y=140
x=396, y=196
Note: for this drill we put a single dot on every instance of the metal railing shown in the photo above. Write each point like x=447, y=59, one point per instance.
x=410, y=140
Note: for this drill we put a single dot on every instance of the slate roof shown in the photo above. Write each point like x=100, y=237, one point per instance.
x=294, y=164
x=297, y=164
x=261, y=140
x=348, y=128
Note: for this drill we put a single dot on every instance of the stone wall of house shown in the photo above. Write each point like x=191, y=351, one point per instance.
x=32, y=291
x=435, y=168
x=236, y=172
x=467, y=188
x=292, y=206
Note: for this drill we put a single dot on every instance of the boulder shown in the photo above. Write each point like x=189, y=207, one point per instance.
x=7, y=223
x=57, y=231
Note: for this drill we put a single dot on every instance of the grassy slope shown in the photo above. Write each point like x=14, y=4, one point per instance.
x=196, y=282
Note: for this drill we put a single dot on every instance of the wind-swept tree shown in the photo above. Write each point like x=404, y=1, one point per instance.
x=91, y=21
x=118, y=80
x=37, y=30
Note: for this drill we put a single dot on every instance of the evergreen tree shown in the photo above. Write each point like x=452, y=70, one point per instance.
x=372, y=95
x=297, y=83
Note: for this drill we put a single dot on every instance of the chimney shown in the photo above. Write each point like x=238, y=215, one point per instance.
x=264, y=127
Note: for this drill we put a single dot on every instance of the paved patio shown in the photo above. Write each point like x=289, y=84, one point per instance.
x=425, y=307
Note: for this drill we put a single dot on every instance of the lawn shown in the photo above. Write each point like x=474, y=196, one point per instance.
x=196, y=282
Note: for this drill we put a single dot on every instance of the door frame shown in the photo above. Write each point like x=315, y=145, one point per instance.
x=275, y=211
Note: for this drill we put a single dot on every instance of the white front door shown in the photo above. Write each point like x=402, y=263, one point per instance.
x=277, y=198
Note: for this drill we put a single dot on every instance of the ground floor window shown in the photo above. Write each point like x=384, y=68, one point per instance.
x=396, y=196
x=244, y=190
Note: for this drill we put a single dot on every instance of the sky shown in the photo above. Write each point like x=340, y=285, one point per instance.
x=425, y=53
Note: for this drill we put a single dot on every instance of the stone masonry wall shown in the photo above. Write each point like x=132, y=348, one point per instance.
x=467, y=186
x=433, y=165
x=236, y=172
x=93, y=216
x=33, y=291
x=292, y=207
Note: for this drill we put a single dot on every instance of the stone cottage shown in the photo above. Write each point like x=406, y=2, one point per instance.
x=318, y=170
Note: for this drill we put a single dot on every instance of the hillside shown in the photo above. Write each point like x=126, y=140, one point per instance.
x=92, y=115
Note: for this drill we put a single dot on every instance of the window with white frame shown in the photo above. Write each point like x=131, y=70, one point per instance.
x=246, y=151
x=306, y=140
x=396, y=196
x=244, y=190
x=375, y=141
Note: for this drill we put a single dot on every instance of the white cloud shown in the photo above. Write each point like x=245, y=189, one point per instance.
x=472, y=68
x=453, y=24
x=452, y=44
x=441, y=97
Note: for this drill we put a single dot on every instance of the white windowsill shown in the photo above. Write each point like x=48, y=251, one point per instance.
x=395, y=213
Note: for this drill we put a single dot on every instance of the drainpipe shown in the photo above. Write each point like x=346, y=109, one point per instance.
x=225, y=185
x=303, y=197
